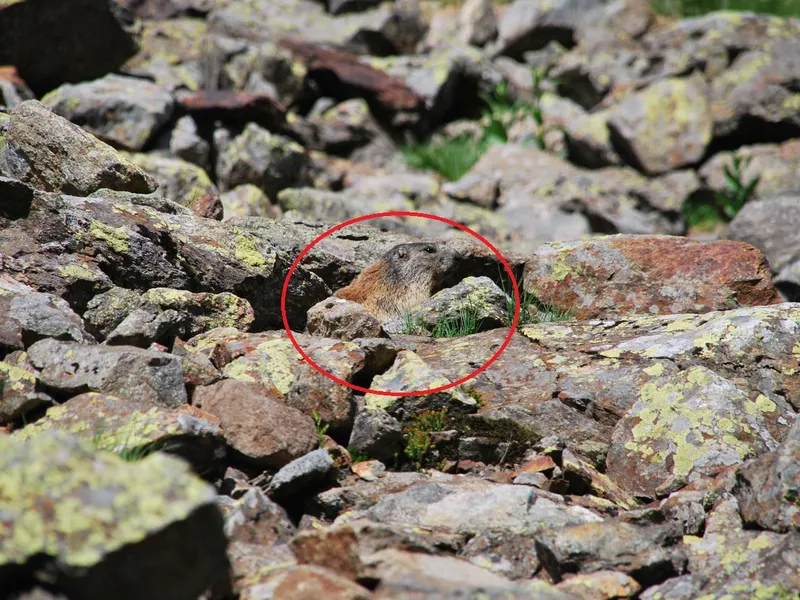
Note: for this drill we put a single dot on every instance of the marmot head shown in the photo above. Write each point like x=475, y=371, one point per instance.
x=421, y=263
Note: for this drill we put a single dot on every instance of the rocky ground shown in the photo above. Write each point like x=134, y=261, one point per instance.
x=163, y=164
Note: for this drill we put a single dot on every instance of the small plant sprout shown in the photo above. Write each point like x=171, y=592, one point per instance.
x=417, y=434
x=726, y=204
x=320, y=426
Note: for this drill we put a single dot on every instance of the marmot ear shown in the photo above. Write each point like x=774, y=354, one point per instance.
x=401, y=252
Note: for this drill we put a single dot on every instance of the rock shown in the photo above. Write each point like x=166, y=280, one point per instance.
x=386, y=30
x=165, y=525
x=68, y=368
x=648, y=274
x=588, y=140
x=476, y=299
x=167, y=9
x=197, y=312
x=663, y=127
x=303, y=581
x=467, y=507
x=338, y=7
x=775, y=166
x=390, y=93
x=530, y=25
x=685, y=425
x=41, y=316
x=18, y=389
x=768, y=486
x=182, y=182
x=335, y=207
x=343, y=320
x=302, y=475
x=410, y=373
x=601, y=585
x=648, y=554
x=184, y=142
x=377, y=434
x=13, y=88
x=257, y=156
x=247, y=201
x=171, y=54
x=344, y=129
x=233, y=107
x=257, y=425
x=142, y=328
x=756, y=92
x=126, y=112
x=38, y=141
x=132, y=428
x=86, y=40
x=401, y=574
x=477, y=23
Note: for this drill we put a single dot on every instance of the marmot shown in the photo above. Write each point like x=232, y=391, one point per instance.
x=401, y=280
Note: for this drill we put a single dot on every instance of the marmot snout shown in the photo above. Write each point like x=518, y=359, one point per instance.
x=402, y=279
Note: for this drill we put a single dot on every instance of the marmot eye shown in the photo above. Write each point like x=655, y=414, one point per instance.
x=430, y=249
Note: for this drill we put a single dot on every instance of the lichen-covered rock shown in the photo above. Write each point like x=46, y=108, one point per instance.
x=247, y=200
x=131, y=428
x=343, y=320
x=164, y=524
x=757, y=90
x=85, y=40
x=410, y=373
x=184, y=142
x=474, y=299
x=256, y=424
x=686, y=425
x=664, y=127
x=769, y=486
x=182, y=182
x=648, y=274
x=648, y=554
x=37, y=142
x=19, y=393
x=69, y=368
x=40, y=316
x=269, y=161
x=601, y=585
x=126, y=112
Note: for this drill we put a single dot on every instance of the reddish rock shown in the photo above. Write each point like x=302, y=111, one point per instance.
x=353, y=77
x=256, y=424
x=242, y=107
x=627, y=274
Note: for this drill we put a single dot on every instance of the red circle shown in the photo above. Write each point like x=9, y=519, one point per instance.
x=400, y=213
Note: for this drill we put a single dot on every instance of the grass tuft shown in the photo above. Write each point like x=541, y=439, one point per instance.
x=694, y=8
x=417, y=434
x=451, y=158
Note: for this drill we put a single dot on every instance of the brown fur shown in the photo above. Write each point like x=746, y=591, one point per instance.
x=401, y=280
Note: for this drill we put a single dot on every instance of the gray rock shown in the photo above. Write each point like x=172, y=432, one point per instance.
x=19, y=393
x=772, y=226
x=377, y=434
x=71, y=368
x=185, y=142
x=16, y=198
x=37, y=142
x=301, y=476
x=648, y=554
x=40, y=316
x=142, y=328
x=126, y=112
x=269, y=161
x=768, y=487
x=344, y=320
x=85, y=39
x=478, y=25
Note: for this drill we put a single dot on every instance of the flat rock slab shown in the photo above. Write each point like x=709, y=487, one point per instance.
x=623, y=274
x=164, y=525
x=70, y=368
